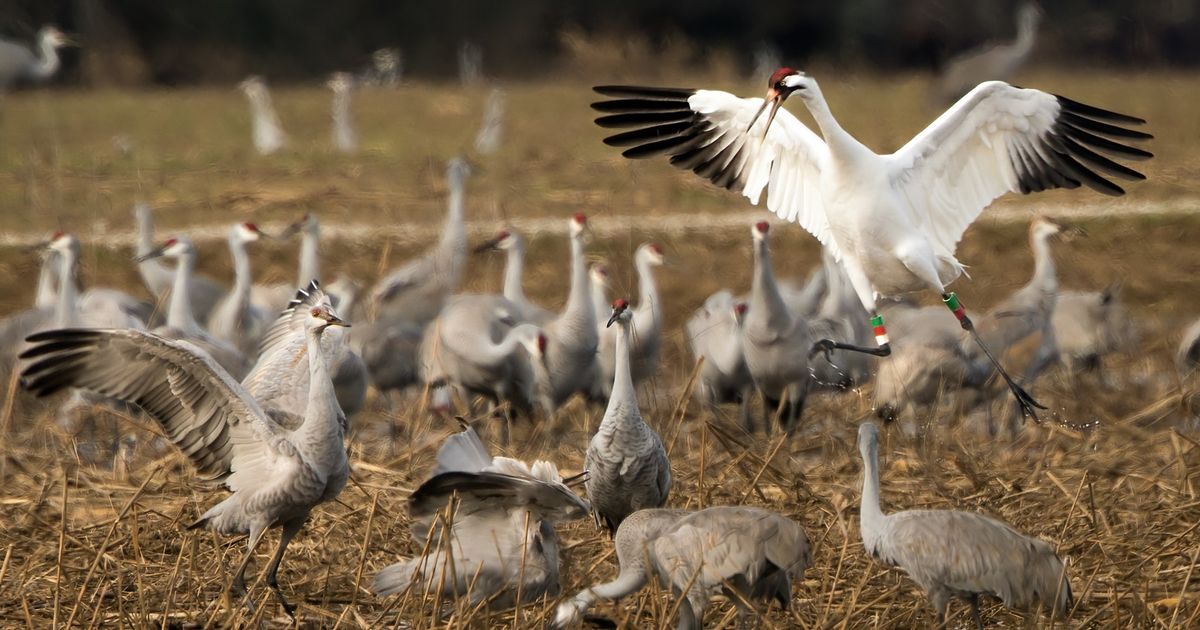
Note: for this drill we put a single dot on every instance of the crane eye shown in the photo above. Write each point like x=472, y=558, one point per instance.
x=316, y=312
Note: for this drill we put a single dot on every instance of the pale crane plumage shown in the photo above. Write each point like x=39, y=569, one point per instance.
x=268, y=134
x=996, y=62
x=627, y=466
x=1089, y=326
x=837, y=310
x=570, y=359
x=927, y=361
x=1187, y=355
x=512, y=244
x=19, y=63
x=502, y=541
x=235, y=319
x=775, y=342
x=276, y=475
x=280, y=376
x=181, y=324
x=417, y=291
x=491, y=129
x=646, y=342
x=714, y=334
x=478, y=347
x=959, y=554
x=753, y=552
x=276, y=297
x=899, y=217
x=159, y=278
x=343, y=135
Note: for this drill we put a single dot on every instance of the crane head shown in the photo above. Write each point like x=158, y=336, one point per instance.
x=599, y=273
x=579, y=226
x=782, y=83
x=503, y=240
x=322, y=316
x=248, y=232
x=620, y=311
x=653, y=253
x=307, y=223
x=55, y=38
x=739, y=311
x=172, y=247
x=760, y=230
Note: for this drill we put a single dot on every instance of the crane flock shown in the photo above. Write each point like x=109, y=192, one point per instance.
x=260, y=392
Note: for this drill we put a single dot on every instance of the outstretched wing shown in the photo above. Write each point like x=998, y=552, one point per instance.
x=1000, y=138
x=201, y=408
x=709, y=133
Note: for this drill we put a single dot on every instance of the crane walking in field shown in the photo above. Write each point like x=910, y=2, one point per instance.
x=747, y=553
x=18, y=63
x=893, y=221
x=344, y=137
x=502, y=545
x=268, y=133
x=627, y=466
x=277, y=474
x=646, y=340
x=964, y=554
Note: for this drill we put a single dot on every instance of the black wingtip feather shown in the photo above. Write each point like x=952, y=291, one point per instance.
x=1092, y=111
x=636, y=91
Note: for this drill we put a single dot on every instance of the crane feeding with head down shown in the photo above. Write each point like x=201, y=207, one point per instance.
x=893, y=221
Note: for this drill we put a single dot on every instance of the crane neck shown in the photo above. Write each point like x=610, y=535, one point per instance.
x=869, y=510
x=767, y=309
x=599, y=303
x=453, y=242
x=47, y=293
x=647, y=293
x=623, y=396
x=514, y=270
x=491, y=354
x=145, y=232
x=241, y=269
x=179, y=310
x=310, y=257
x=343, y=127
x=578, y=308
x=48, y=62
x=321, y=425
x=1045, y=275
x=66, y=313
x=842, y=145
x=1026, y=35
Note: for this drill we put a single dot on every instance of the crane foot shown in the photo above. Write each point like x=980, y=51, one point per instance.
x=827, y=346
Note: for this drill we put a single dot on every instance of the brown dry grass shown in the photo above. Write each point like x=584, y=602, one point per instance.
x=1108, y=479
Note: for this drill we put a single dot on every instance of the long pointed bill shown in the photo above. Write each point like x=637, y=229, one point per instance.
x=774, y=100
x=486, y=246
x=334, y=320
x=154, y=253
x=611, y=320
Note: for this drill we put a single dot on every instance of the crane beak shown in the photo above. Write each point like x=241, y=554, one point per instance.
x=154, y=253
x=334, y=320
x=612, y=319
x=486, y=246
x=289, y=231
x=774, y=100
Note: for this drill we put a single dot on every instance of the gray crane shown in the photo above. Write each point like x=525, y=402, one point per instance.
x=774, y=342
x=235, y=320
x=959, y=554
x=927, y=360
x=572, y=337
x=275, y=297
x=19, y=63
x=996, y=62
x=627, y=466
x=475, y=347
x=181, y=325
x=159, y=278
x=491, y=129
x=503, y=547
x=279, y=379
x=277, y=475
x=268, y=133
x=747, y=553
x=598, y=275
x=512, y=244
x=1090, y=325
x=417, y=291
x=838, y=310
x=714, y=333
x=647, y=327
x=343, y=135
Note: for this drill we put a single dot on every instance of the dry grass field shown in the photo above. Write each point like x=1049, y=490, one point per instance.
x=92, y=538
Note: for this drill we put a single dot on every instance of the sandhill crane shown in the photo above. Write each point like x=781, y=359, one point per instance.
x=647, y=327
x=272, y=298
x=418, y=290
x=277, y=475
x=268, y=133
x=18, y=63
x=502, y=545
x=570, y=359
x=990, y=62
x=627, y=466
x=774, y=342
x=747, y=553
x=714, y=333
x=838, y=309
x=475, y=346
x=159, y=278
x=235, y=320
x=1090, y=325
x=927, y=361
x=598, y=277
x=344, y=138
x=512, y=243
x=893, y=221
x=491, y=129
x=106, y=308
x=181, y=325
x=964, y=554
x=279, y=379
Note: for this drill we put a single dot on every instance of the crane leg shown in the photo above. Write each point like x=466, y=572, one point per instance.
x=238, y=587
x=883, y=349
x=974, y=601
x=290, y=529
x=1026, y=402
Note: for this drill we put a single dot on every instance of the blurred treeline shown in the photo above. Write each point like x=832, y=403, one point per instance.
x=201, y=41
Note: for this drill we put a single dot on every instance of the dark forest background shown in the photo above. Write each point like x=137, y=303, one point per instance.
x=181, y=42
